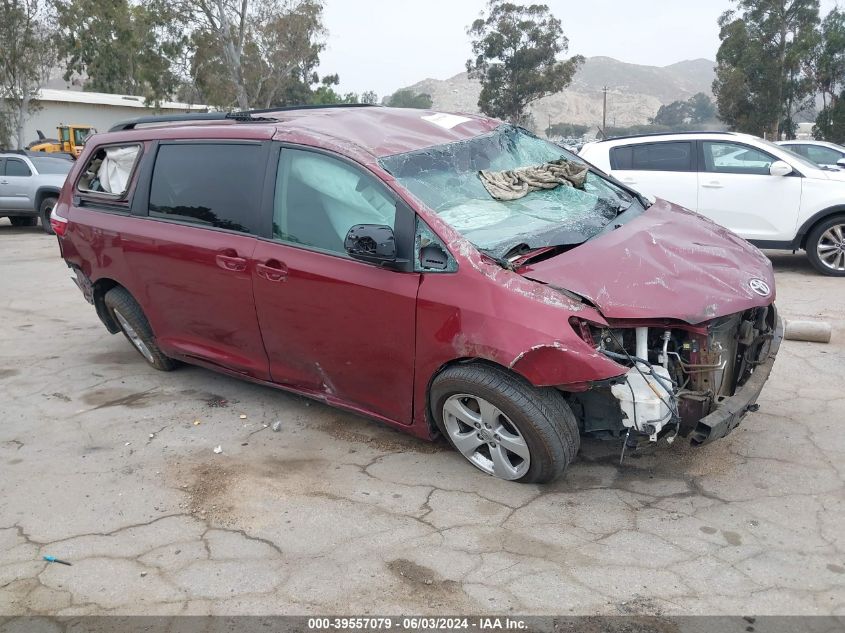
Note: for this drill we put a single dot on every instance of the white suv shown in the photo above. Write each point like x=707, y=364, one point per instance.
x=760, y=191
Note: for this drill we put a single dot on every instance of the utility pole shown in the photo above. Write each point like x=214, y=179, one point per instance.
x=604, y=113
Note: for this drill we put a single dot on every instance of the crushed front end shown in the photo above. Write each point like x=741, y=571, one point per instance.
x=695, y=381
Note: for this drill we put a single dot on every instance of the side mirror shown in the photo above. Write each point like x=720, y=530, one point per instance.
x=372, y=243
x=780, y=168
x=841, y=162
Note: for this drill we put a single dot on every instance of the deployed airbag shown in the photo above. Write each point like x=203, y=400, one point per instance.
x=116, y=168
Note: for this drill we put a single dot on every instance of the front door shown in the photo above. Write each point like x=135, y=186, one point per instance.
x=332, y=325
x=16, y=188
x=191, y=257
x=737, y=191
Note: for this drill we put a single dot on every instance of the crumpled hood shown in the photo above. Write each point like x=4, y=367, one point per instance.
x=668, y=263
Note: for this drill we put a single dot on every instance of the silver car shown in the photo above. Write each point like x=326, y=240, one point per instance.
x=29, y=187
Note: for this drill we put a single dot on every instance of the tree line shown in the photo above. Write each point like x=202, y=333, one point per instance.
x=229, y=54
x=776, y=60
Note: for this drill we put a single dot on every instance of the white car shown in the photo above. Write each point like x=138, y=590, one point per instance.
x=824, y=154
x=764, y=193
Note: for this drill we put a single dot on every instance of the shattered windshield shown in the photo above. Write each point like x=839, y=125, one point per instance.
x=447, y=179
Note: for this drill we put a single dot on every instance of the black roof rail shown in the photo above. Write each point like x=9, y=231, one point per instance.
x=650, y=134
x=243, y=116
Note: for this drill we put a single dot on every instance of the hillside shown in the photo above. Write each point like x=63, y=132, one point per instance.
x=636, y=92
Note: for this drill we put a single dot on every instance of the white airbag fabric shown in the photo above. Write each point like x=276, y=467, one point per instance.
x=116, y=168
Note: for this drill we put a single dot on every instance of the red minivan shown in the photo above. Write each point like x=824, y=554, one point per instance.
x=408, y=265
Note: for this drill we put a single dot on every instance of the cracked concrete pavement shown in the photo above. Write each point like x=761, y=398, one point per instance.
x=102, y=464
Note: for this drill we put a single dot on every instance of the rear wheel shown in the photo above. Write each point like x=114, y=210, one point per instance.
x=503, y=425
x=134, y=325
x=45, y=211
x=23, y=221
x=826, y=246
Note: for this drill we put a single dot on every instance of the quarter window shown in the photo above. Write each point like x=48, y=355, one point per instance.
x=732, y=158
x=211, y=185
x=15, y=167
x=670, y=156
x=319, y=198
x=109, y=170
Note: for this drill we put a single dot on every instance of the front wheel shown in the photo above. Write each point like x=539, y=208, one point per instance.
x=503, y=425
x=45, y=211
x=136, y=328
x=826, y=247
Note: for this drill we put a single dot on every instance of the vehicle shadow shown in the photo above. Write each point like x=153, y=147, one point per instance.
x=787, y=261
x=6, y=228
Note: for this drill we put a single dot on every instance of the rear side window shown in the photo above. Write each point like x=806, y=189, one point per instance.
x=211, y=185
x=670, y=156
x=52, y=165
x=109, y=170
x=16, y=167
x=822, y=155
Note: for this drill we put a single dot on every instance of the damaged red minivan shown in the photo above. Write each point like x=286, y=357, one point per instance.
x=447, y=275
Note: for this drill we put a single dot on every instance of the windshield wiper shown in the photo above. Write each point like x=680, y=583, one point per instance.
x=504, y=263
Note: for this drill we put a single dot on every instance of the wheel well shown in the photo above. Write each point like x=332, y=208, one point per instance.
x=101, y=287
x=44, y=193
x=429, y=413
x=839, y=212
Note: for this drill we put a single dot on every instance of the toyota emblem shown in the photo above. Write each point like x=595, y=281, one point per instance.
x=760, y=287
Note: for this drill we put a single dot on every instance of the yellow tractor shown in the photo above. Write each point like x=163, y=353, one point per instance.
x=71, y=140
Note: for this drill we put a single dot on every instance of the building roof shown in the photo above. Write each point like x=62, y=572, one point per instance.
x=102, y=98
x=371, y=132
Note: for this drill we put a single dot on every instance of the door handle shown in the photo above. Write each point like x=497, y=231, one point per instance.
x=229, y=260
x=272, y=270
x=4, y=182
x=713, y=185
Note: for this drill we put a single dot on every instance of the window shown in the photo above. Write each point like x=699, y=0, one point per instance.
x=733, y=158
x=51, y=165
x=109, y=170
x=319, y=198
x=822, y=155
x=669, y=156
x=212, y=185
x=16, y=167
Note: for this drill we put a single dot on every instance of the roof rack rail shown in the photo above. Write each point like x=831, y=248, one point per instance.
x=649, y=134
x=240, y=115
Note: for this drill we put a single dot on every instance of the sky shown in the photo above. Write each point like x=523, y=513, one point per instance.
x=383, y=45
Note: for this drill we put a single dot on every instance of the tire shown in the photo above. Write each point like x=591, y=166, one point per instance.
x=23, y=221
x=540, y=417
x=44, y=213
x=128, y=315
x=826, y=246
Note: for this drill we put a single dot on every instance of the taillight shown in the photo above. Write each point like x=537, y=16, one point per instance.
x=58, y=223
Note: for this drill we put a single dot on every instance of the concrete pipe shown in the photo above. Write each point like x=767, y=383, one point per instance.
x=811, y=331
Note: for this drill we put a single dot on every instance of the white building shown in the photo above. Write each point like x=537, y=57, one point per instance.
x=97, y=109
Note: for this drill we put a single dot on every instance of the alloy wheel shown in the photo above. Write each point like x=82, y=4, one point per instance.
x=486, y=436
x=831, y=247
x=132, y=335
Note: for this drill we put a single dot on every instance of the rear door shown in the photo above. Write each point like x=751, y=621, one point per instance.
x=190, y=257
x=333, y=325
x=16, y=186
x=737, y=191
x=665, y=169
